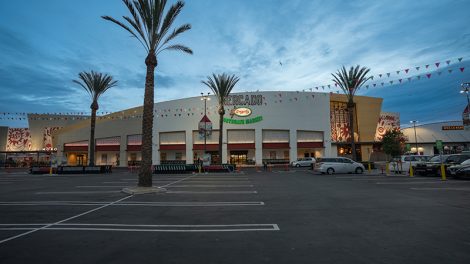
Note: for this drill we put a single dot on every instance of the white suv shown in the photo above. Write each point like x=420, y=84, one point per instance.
x=303, y=162
x=402, y=163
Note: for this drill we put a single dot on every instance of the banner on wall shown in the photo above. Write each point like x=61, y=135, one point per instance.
x=47, y=137
x=205, y=128
x=339, y=122
x=387, y=121
x=18, y=139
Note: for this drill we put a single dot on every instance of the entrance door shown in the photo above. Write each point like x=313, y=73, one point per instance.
x=238, y=157
x=79, y=160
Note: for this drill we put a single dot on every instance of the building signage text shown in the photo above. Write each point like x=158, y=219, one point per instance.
x=241, y=112
x=452, y=127
x=243, y=121
x=240, y=99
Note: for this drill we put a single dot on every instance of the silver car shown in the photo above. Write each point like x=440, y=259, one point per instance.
x=303, y=162
x=338, y=165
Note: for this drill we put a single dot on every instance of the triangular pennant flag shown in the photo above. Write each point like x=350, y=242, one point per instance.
x=371, y=77
x=388, y=74
x=367, y=86
x=400, y=80
x=374, y=84
x=439, y=73
x=328, y=86
x=429, y=75
x=409, y=79
x=382, y=84
x=391, y=82
x=406, y=70
x=336, y=85
x=316, y=88
x=437, y=64
x=449, y=70
x=448, y=62
x=427, y=66
x=462, y=68
x=398, y=72
x=460, y=59
x=380, y=75
x=323, y=87
x=417, y=68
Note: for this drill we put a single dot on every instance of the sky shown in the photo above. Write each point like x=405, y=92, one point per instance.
x=271, y=45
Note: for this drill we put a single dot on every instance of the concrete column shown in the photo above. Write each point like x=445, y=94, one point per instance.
x=259, y=146
x=224, y=146
x=123, y=152
x=189, y=147
x=293, y=145
x=155, y=148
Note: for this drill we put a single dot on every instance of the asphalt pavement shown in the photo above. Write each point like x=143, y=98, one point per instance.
x=279, y=216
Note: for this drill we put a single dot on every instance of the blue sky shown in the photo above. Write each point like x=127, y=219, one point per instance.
x=45, y=44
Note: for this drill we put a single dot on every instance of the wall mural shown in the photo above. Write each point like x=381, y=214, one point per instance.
x=387, y=121
x=339, y=121
x=19, y=139
x=47, y=137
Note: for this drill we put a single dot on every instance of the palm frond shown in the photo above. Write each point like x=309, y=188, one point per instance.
x=177, y=47
x=95, y=83
x=351, y=81
x=221, y=85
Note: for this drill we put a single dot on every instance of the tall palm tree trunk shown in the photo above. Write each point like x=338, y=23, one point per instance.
x=351, y=126
x=145, y=172
x=221, y=133
x=91, y=149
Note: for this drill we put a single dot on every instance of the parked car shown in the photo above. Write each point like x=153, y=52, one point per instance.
x=402, y=163
x=304, y=162
x=454, y=168
x=433, y=166
x=338, y=165
x=462, y=173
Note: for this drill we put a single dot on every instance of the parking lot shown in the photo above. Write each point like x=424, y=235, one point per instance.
x=249, y=217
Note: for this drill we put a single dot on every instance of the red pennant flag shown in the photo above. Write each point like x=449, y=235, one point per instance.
x=380, y=75
x=460, y=59
x=437, y=64
x=429, y=75
x=388, y=74
x=374, y=84
x=448, y=62
x=400, y=80
x=398, y=72
x=417, y=68
x=391, y=82
x=427, y=66
x=409, y=79
x=371, y=77
x=461, y=69
x=406, y=70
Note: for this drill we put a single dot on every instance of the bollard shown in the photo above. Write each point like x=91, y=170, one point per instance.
x=287, y=167
x=443, y=173
x=257, y=168
x=411, y=171
x=369, y=168
x=387, y=168
x=200, y=168
x=50, y=171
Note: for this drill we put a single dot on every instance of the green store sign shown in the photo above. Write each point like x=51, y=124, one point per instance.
x=243, y=121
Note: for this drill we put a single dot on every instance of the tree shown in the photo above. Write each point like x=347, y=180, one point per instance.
x=221, y=85
x=393, y=142
x=350, y=82
x=96, y=84
x=151, y=28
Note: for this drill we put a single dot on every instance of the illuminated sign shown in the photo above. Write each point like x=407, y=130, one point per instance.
x=241, y=112
x=240, y=99
x=452, y=127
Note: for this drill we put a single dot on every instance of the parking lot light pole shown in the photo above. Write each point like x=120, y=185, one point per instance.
x=416, y=138
x=205, y=98
x=465, y=90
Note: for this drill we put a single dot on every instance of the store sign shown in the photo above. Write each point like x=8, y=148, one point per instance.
x=452, y=127
x=387, y=121
x=241, y=112
x=240, y=99
x=243, y=121
x=205, y=128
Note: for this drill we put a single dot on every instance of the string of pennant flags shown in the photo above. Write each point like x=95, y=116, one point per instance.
x=407, y=74
x=382, y=79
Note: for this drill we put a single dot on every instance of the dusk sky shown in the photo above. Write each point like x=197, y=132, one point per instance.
x=45, y=44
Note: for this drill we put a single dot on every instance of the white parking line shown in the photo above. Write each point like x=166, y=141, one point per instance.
x=145, y=228
x=412, y=182
x=161, y=204
x=212, y=192
x=442, y=189
x=212, y=186
x=84, y=192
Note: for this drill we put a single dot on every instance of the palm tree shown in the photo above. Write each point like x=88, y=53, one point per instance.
x=150, y=26
x=96, y=84
x=221, y=85
x=350, y=82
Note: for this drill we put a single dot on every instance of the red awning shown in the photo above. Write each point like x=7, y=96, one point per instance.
x=108, y=148
x=173, y=147
x=208, y=147
x=276, y=145
x=134, y=147
x=241, y=146
x=310, y=145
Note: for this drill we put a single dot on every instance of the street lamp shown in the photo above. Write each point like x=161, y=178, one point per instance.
x=205, y=98
x=416, y=138
x=465, y=90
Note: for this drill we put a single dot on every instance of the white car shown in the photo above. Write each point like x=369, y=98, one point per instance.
x=402, y=163
x=303, y=162
x=338, y=165
x=454, y=168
